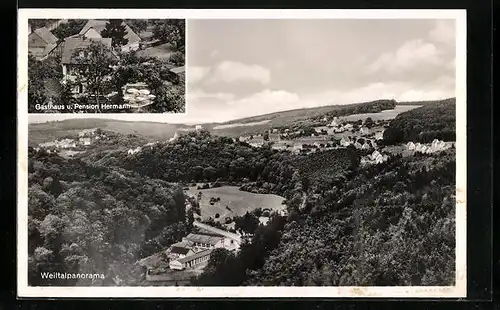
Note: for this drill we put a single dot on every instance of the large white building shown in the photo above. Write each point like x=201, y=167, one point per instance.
x=195, y=249
x=191, y=261
x=208, y=241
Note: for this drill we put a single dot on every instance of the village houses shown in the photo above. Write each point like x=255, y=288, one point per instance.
x=41, y=43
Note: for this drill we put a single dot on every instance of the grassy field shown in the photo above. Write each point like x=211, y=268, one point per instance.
x=238, y=201
x=162, y=51
x=384, y=115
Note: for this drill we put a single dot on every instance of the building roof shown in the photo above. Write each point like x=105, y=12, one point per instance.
x=48, y=48
x=99, y=25
x=256, y=140
x=195, y=256
x=46, y=35
x=178, y=70
x=183, y=244
x=274, y=136
x=74, y=43
x=179, y=250
x=203, y=239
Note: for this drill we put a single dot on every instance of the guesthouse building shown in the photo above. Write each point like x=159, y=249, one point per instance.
x=191, y=261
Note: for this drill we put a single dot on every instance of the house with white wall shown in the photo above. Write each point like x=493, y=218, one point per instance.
x=74, y=52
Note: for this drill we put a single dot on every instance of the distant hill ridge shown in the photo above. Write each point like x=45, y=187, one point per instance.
x=52, y=130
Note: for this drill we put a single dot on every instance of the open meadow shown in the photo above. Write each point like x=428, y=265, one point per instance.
x=238, y=202
x=383, y=115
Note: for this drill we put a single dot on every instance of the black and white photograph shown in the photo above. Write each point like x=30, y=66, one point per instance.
x=106, y=65
x=318, y=158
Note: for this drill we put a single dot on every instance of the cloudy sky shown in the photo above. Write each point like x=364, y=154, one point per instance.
x=239, y=68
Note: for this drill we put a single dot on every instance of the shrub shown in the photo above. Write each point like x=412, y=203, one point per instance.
x=177, y=59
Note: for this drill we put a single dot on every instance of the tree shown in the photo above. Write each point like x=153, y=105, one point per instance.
x=96, y=67
x=369, y=122
x=171, y=31
x=38, y=23
x=39, y=73
x=169, y=99
x=177, y=59
x=265, y=136
x=190, y=219
x=72, y=27
x=209, y=173
x=138, y=25
x=247, y=223
x=393, y=135
x=115, y=29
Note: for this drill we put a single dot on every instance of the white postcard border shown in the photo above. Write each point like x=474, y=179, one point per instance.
x=459, y=290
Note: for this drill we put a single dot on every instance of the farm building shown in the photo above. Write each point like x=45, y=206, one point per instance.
x=438, y=145
x=379, y=135
x=410, y=146
x=85, y=141
x=297, y=147
x=134, y=151
x=366, y=146
x=364, y=131
x=41, y=42
x=335, y=122
x=256, y=142
x=348, y=127
x=93, y=30
x=244, y=138
x=191, y=261
x=345, y=142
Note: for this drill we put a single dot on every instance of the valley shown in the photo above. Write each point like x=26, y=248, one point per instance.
x=138, y=200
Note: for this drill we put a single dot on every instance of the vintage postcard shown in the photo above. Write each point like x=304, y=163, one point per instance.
x=322, y=153
x=105, y=65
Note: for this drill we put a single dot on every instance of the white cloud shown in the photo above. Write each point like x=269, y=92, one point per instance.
x=400, y=91
x=420, y=56
x=196, y=74
x=221, y=107
x=412, y=55
x=202, y=95
x=231, y=71
x=267, y=100
x=443, y=32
